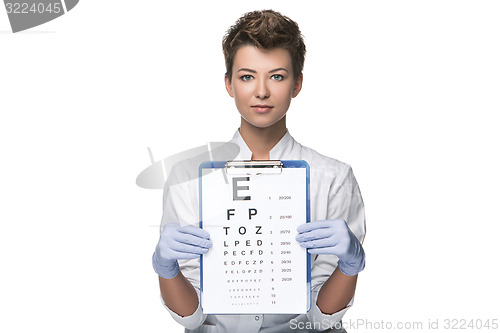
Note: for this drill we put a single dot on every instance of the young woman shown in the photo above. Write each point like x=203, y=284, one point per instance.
x=264, y=53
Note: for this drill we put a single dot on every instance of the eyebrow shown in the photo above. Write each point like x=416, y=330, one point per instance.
x=271, y=71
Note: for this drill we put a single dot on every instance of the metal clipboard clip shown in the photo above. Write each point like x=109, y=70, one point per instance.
x=264, y=167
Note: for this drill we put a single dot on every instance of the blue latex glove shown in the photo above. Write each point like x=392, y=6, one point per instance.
x=178, y=242
x=333, y=237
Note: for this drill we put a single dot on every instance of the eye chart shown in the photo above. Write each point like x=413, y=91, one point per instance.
x=251, y=210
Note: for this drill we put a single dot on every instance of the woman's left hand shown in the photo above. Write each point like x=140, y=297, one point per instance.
x=333, y=237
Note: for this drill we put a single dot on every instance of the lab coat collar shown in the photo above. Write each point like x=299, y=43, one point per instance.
x=283, y=148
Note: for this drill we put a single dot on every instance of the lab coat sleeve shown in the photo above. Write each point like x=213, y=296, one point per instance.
x=344, y=202
x=180, y=206
x=190, y=322
x=316, y=316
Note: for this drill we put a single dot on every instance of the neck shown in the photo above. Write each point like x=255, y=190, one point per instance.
x=262, y=140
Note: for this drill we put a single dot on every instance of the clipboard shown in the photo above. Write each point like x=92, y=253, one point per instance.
x=251, y=210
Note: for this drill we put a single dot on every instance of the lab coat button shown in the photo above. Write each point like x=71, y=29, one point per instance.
x=257, y=318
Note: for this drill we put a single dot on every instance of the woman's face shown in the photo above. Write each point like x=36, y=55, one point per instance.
x=262, y=84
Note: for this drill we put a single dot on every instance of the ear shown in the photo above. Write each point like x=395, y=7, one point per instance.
x=229, y=86
x=298, y=85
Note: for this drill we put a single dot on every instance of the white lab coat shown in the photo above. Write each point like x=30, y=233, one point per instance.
x=334, y=194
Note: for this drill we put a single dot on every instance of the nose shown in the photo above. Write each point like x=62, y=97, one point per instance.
x=261, y=89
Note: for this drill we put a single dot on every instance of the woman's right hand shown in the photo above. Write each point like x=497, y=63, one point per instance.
x=176, y=242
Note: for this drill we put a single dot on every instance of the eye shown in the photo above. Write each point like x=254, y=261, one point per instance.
x=277, y=77
x=246, y=77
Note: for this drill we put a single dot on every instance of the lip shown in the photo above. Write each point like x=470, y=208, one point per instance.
x=261, y=108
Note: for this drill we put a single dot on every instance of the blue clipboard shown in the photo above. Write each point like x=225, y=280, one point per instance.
x=252, y=169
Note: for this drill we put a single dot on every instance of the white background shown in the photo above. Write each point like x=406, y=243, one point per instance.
x=404, y=91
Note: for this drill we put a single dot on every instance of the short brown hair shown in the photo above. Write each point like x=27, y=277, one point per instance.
x=265, y=29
